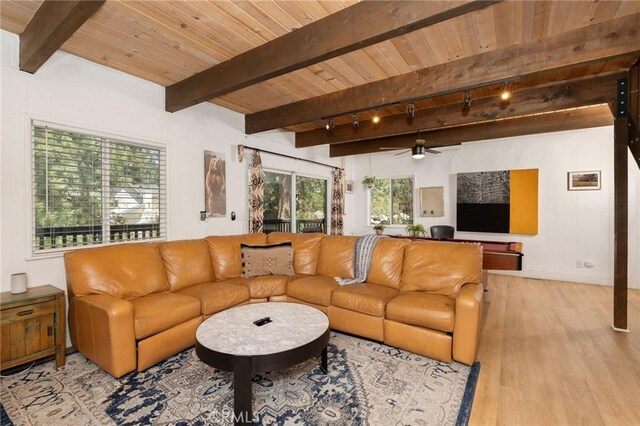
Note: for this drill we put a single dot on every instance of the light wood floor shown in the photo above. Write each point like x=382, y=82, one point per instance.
x=550, y=357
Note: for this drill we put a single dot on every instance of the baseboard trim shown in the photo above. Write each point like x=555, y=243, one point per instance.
x=561, y=276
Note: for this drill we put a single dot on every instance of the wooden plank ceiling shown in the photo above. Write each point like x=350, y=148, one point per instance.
x=168, y=41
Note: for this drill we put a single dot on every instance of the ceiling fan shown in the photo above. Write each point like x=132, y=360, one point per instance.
x=418, y=151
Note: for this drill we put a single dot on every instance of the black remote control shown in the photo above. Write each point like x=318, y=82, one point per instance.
x=262, y=321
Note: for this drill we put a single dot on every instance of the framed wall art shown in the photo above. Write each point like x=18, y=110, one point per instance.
x=215, y=184
x=504, y=202
x=348, y=187
x=584, y=181
x=432, y=201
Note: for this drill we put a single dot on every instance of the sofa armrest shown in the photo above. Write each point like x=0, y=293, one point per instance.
x=101, y=328
x=466, y=329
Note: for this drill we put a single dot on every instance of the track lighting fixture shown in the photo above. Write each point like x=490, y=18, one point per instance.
x=355, y=120
x=330, y=125
x=506, y=92
x=418, y=152
x=466, y=100
x=376, y=117
x=411, y=111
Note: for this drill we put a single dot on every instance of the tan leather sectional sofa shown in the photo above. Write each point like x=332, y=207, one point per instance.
x=133, y=305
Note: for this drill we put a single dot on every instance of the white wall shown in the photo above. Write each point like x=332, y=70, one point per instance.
x=576, y=225
x=71, y=91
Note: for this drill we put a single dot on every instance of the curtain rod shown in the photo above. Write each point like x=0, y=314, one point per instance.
x=288, y=156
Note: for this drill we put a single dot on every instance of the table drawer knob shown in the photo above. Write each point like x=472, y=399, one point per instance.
x=23, y=313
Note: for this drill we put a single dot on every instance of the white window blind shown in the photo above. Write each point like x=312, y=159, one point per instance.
x=89, y=189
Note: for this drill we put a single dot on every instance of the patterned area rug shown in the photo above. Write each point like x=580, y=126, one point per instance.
x=367, y=384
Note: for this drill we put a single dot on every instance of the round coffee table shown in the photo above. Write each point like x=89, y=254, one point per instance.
x=237, y=340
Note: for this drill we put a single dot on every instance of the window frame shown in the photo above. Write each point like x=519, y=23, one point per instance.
x=31, y=122
x=413, y=197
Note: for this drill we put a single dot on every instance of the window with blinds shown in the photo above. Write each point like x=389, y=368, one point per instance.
x=90, y=189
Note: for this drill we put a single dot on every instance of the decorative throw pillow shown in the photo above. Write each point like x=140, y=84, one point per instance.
x=268, y=259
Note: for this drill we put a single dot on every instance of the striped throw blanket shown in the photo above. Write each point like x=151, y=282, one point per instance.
x=363, y=254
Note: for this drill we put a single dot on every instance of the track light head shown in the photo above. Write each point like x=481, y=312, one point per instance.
x=506, y=92
x=355, y=120
x=411, y=111
x=376, y=117
x=466, y=100
x=330, y=125
x=418, y=152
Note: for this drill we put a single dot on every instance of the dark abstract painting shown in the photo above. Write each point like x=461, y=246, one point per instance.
x=503, y=201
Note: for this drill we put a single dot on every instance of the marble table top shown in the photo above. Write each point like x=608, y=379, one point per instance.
x=233, y=331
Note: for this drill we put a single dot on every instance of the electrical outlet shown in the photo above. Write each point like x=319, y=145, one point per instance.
x=579, y=264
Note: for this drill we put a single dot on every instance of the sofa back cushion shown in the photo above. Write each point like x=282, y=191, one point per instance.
x=440, y=267
x=226, y=257
x=336, y=256
x=306, y=250
x=386, y=262
x=125, y=271
x=187, y=263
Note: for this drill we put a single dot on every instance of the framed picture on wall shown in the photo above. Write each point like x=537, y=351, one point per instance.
x=432, y=201
x=584, y=181
x=215, y=185
x=348, y=187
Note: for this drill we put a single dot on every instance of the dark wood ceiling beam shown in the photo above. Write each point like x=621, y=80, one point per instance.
x=50, y=27
x=607, y=40
x=554, y=97
x=352, y=28
x=541, y=123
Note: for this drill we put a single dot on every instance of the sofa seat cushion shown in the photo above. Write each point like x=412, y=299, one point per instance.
x=369, y=299
x=428, y=310
x=217, y=296
x=160, y=311
x=263, y=286
x=313, y=289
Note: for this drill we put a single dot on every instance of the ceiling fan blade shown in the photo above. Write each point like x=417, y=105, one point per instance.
x=388, y=148
x=404, y=151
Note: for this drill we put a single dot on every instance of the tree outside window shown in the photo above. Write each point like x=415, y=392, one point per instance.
x=391, y=201
x=89, y=189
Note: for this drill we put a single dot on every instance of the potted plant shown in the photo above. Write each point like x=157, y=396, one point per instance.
x=416, y=230
x=379, y=228
x=369, y=181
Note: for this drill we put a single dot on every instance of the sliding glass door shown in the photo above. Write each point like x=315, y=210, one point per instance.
x=277, y=202
x=309, y=203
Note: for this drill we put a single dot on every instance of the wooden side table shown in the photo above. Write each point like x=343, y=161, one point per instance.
x=33, y=326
